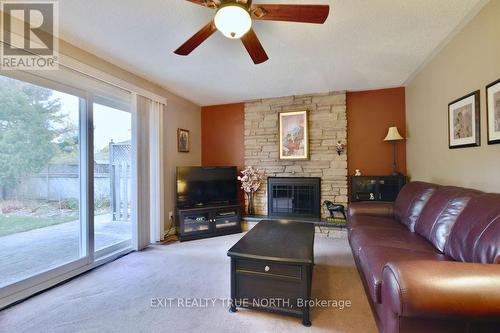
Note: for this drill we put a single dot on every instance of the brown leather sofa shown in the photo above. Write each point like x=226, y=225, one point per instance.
x=429, y=261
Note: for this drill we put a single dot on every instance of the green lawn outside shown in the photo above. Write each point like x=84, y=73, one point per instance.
x=14, y=224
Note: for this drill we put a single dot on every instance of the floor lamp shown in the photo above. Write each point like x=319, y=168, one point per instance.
x=393, y=136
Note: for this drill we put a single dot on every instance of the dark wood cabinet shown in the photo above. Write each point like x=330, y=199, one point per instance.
x=376, y=188
x=195, y=223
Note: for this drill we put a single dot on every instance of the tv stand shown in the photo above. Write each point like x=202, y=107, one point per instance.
x=208, y=221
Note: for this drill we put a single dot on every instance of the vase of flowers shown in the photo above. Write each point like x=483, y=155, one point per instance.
x=250, y=198
x=250, y=183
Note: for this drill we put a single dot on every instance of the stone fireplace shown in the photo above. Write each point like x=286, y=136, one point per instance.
x=327, y=125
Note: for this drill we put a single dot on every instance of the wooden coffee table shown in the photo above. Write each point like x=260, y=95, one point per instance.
x=271, y=268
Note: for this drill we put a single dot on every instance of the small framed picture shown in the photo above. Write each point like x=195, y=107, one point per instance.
x=182, y=140
x=493, y=111
x=294, y=135
x=464, y=128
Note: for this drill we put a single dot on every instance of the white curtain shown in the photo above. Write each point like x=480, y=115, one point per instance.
x=147, y=137
x=157, y=190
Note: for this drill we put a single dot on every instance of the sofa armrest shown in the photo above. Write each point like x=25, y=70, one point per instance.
x=374, y=208
x=442, y=289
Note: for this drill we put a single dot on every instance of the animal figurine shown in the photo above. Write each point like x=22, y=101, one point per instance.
x=339, y=147
x=335, y=208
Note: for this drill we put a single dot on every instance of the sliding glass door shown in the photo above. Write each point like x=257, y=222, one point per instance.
x=112, y=178
x=40, y=183
x=66, y=166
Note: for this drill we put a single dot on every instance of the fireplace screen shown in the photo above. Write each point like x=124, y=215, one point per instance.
x=293, y=197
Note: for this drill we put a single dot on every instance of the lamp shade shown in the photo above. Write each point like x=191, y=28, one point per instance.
x=233, y=20
x=393, y=135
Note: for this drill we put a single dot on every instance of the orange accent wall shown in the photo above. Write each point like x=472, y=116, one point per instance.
x=369, y=116
x=223, y=136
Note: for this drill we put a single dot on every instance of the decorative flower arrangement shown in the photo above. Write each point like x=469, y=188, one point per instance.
x=251, y=180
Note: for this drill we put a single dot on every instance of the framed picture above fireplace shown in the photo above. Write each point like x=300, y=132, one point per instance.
x=294, y=135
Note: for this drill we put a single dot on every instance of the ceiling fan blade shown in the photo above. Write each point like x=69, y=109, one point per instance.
x=207, y=3
x=254, y=47
x=291, y=13
x=195, y=41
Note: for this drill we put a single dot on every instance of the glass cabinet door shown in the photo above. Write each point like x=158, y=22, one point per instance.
x=196, y=222
x=365, y=188
x=226, y=219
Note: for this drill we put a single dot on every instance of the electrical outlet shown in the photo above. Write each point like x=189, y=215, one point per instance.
x=170, y=215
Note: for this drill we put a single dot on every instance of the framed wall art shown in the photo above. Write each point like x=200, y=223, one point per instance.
x=293, y=135
x=493, y=111
x=182, y=140
x=464, y=124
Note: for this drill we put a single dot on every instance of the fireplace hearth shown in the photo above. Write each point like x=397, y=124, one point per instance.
x=294, y=197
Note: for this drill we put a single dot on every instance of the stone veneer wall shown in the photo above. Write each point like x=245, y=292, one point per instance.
x=327, y=125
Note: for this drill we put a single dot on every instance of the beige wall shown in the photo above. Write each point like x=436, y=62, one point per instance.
x=180, y=114
x=467, y=63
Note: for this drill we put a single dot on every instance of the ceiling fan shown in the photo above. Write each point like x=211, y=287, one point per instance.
x=234, y=18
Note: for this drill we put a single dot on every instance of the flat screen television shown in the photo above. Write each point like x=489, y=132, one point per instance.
x=206, y=186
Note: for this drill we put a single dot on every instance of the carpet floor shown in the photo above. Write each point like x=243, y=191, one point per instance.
x=121, y=296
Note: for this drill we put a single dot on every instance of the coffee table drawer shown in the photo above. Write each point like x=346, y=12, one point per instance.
x=255, y=266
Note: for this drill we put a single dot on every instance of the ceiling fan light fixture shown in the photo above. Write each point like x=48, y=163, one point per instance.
x=233, y=20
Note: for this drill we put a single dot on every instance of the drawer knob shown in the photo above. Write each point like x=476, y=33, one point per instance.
x=267, y=268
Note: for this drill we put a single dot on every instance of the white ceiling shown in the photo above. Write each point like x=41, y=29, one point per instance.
x=365, y=44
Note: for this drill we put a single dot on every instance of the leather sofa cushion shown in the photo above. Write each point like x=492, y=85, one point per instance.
x=387, y=237
x=475, y=237
x=411, y=201
x=367, y=221
x=372, y=260
x=441, y=212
